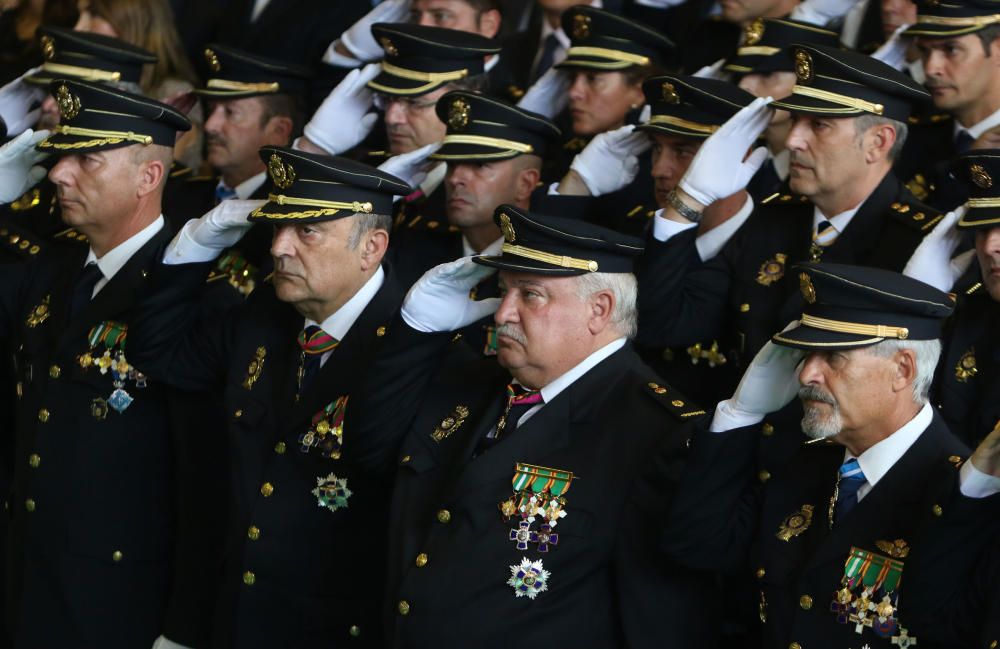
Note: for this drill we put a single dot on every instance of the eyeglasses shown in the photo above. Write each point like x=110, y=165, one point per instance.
x=410, y=105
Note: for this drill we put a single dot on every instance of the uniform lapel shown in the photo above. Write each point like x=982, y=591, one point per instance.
x=862, y=233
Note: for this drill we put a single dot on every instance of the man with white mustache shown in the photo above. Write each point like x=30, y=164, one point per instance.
x=829, y=535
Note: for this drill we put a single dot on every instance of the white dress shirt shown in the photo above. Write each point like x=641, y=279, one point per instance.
x=117, y=257
x=341, y=321
x=980, y=127
x=710, y=243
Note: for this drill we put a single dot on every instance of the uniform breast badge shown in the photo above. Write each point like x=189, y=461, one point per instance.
x=112, y=335
x=490, y=348
x=326, y=431
x=39, y=314
x=772, y=270
x=539, y=492
x=869, y=592
x=450, y=424
x=795, y=524
x=255, y=367
x=332, y=492
x=528, y=578
x=966, y=368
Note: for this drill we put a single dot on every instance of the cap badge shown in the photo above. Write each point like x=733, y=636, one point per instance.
x=803, y=66
x=388, y=46
x=332, y=492
x=966, y=368
x=458, y=114
x=212, y=60
x=450, y=424
x=281, y=173
x=670, y=95
x=48, y=47
x=69, y=104
x=581, y=27
x=772, y=270
x=808, y=290
x=795, y=523
x=507, y=229
x=753, y=32
x=980, y=176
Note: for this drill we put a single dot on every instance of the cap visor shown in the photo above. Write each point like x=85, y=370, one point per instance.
x=523, y=265
x=979, y=217
x=272, y=212
x=390, y=84
x=801, y=104
x=811, y=339
x=592, y=63
x=59, y=144
x=941, y=31
x=669, y=129
x=472, y=152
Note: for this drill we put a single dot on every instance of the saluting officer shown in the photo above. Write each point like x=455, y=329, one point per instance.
x=304, y=561
x=528, y=493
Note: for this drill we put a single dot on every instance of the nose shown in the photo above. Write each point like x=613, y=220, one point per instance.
x=60, y=174
x=992, y=243
x=507, y=311
x=282, y=244
x=796, y=139
x=811, y=372
x=751, y=84
x=931, y=60
x=395, y=113
x=578, y=88
x=664, y=166
x=458, y=175
x=215, y=120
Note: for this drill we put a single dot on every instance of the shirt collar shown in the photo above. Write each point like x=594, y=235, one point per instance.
x=877, y=460
x=552, y=390
x=341, y=321
x=246, y=188
x=978, y=129
x=492, y=249
x=839, y=221
x=114, y=259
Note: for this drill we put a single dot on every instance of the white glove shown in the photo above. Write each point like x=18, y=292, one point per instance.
x=165, y=643
x=202, y=239
x=358, y=38
x=713, y=71
x=932, y=262
x=410, y=167
x=549, y=95
x=611, y=160
x=439, y=301
x=659, y=4
x=18, y=160
x=20, y=104
x=821, y=12
x=770, y=383
x=718, y=169
x=893, y=51
x=343, y=119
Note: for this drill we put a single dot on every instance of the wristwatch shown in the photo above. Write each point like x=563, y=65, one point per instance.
x=675, y=202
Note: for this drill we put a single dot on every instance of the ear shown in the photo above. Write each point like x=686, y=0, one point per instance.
x=879, y=139
x=602, y=305
x=151, y=174
x=905, y=371
x=278, y=131
x=373, y=248
x=489, y=23
x=527, y=181
x=633, y=92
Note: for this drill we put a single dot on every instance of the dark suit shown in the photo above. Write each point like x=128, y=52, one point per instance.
x=297, y=574
x=93, y=505
x=924, y=164
x=449, y=545
x=729, y=518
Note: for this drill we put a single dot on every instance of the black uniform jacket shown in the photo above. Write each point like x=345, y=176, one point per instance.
x=616, y=428
x=298, y=573
x=93, y=506
x=728, y=517
x=748, y=292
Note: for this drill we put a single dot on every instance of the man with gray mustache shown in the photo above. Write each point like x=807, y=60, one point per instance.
x=829, y=535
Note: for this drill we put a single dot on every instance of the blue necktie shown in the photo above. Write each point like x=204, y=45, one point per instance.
x=849, y=480
x=223, y=193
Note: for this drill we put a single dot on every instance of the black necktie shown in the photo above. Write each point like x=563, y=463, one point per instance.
x=84, y=289
x=963, y=141
x=548, y=56
x=519, y=401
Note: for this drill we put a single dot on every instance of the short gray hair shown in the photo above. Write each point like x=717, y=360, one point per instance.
x=927, y=353
x=864, y=122
x=365, y=223
x=624, y=287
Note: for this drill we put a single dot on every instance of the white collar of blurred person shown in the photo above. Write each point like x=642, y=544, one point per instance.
x=978, y=129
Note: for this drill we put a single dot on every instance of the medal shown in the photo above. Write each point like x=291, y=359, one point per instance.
x=111, y=335
x=869, y=595
x=528, y=578
x=332, y=492
x=327, y=430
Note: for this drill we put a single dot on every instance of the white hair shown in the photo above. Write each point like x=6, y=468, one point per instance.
x=624, y=287
x=926, y=352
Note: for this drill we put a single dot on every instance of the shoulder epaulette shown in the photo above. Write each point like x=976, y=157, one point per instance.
x=675, y=403
x=381, y=155
x=937, y=118
x=918, y=217
x=920, y=187
x=779, y=198
x=515, y=91
x=19, y=242
x=69, y=234
x=179, y=170
x=27, y=201
x=956, y=461
x=234, y=268
x=575, y=145
x=972, y=290
x=418, y=222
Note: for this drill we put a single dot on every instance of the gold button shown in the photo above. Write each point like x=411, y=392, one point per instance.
x=253, y=533
x=936, y=509
x=677, y=403
x=993, y=645
x=653, y=386
x=403, y=607
x=744, y=307
x=238, y=413
x=249, y=578
x=55, y=371
x=406, y=458
x=378, y=332
x=29, y=504
x=760, y=573
x=806, y=602
x=421, y=560
x=444, y=516
x=116, y=555
x=919, y=216
x=767, y=429
x=764, y=476
x=795, y=645
x=954, y=459
x=34, y=460
x=266, y=489
x=355, y=631
x=279, y=448
x=43, y=415
x=660, y=390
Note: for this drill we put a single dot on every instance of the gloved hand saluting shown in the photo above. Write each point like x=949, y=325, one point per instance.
x=611, y=160
x=18, y=165
x=439, y=301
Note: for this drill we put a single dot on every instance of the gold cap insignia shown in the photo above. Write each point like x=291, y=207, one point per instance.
x=69, y=104
x=458, y=114
x=897, y=549
x=966, y=368
x=388, y=46
x=48, y=47
x=281, y=173
x=808, y=290
x=803, y=66
x=772, y=270
x=212, y=60
x=980, y=176
x=753, y=32
x=670, y=93
x=508, y=230
x=581, y=27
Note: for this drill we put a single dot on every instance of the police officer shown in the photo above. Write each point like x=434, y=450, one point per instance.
x=528, y=491
x=304, y=560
